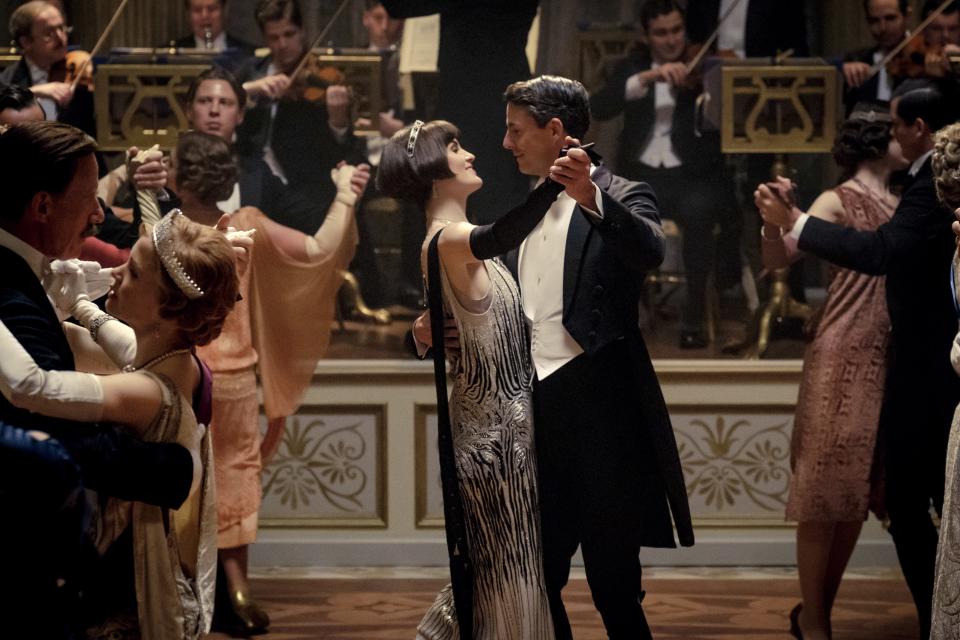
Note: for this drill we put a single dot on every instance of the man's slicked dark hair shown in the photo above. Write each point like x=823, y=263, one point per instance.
x=548, y=97
x=38, y=157
x=13, y=96
x=218, y=73
x=655, y=8
x=270, y=10
x=923, y=99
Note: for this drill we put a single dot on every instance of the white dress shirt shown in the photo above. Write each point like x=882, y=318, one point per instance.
x=884, y=86
x=540, y=266
x=659, y=151
x=232, y=203
x=219, y=43
x=51, y=110
x=732, y=34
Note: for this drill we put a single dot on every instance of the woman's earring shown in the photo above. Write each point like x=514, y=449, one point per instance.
x=436, y=194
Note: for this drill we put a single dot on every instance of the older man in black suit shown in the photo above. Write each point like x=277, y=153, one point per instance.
x=38, y=27
x=660, y=146
x=914, y=250
x=607, y=459
x=50, y=207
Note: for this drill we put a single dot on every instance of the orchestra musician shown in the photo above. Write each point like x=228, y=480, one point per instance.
x=40, y=30
x=887, y=21
x=754, y=28
x=659, y=146
x=297, y=137
x=207, y=19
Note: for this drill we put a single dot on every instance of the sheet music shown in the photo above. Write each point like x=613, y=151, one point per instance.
x=420, y=44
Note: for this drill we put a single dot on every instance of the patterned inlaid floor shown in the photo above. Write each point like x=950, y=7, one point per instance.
x=693, y=609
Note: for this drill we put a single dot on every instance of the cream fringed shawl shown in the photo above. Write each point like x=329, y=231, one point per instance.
x=174, y=551
x=291, y=312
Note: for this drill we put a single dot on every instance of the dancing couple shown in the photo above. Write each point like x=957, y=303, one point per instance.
x=560, y=434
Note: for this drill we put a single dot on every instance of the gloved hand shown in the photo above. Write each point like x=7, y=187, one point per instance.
x=66, y=284
x=342, y=176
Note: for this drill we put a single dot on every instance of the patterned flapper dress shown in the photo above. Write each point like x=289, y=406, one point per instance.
x=841, y=389
x=491, y=415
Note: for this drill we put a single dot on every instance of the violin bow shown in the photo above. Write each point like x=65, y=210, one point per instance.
x=100, y=42
x=713, y=37
x=316, y=42
x=875, y=69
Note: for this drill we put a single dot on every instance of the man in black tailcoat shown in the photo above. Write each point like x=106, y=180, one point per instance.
x=50, y=206
x=607, y=459
x=914, y=251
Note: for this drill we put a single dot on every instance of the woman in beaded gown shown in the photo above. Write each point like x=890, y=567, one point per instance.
x=945, y=618
x=490, y=404
x=174, y=294
x=832, y=451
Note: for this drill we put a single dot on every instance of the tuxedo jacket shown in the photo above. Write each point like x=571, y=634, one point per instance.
x=260, y=188
x=111, y=461
x=604, y=264
x=772, y=25
x=866, y=91
x=78, y=113
x=301, y=139
x=698, y=154
x=914, y=250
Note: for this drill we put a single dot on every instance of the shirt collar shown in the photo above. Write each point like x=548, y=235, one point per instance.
x=36, y=260
x=918, y=163
x=37, y=75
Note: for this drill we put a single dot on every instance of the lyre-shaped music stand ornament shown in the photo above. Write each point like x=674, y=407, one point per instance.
x=777, y=109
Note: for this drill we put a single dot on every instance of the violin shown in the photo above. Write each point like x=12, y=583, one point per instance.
x=311, y=82
x=76, y=69
x=918, y=59
x=914, y=54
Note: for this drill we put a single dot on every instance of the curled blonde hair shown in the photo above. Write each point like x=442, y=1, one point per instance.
x=946, y=165
x=207, y=256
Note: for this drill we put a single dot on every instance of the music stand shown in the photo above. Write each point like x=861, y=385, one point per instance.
x=780, y=108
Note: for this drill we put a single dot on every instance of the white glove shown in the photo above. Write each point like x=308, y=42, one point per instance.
x=70, y=281
x=59, y=394
x=341, y=177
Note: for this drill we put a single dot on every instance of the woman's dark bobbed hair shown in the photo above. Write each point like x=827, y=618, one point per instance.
x=411, y=177
x=865, y=135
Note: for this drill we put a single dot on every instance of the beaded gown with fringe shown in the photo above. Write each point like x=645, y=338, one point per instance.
x=491, y=414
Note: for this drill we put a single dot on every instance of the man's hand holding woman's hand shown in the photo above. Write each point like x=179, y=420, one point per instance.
x=775, y=200
x=573, y=172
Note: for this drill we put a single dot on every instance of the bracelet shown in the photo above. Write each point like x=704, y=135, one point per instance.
x=98, y=322
x=763, y=236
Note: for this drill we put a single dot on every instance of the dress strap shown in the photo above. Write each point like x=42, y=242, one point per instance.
x=461, y=569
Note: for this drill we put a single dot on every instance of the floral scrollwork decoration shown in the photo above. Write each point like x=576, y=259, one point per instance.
x=315, y=462
x=727, y=462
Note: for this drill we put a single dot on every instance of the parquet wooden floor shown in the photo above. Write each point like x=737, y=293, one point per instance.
x=693, y=609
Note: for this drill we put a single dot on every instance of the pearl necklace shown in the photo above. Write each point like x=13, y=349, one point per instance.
x=149, y=363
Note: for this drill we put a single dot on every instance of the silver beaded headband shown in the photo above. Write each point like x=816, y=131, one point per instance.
x=165, y=244
x=412, y=140
x=872, y=116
